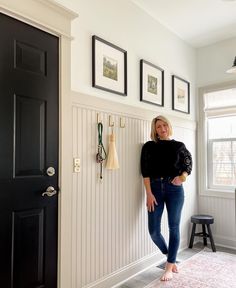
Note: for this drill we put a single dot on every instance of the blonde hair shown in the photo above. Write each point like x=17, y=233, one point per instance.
x=154, y=135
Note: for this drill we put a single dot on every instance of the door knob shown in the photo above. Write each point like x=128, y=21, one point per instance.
x=49, y=192
x=50, y=171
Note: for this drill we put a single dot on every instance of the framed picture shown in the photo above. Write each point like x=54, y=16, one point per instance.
x=109, y=66
x=180, y=94
x=151, y=83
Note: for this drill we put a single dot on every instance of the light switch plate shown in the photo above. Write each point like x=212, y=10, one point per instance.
x=76, y=166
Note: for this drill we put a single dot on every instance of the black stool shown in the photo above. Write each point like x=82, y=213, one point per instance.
x=204, y=220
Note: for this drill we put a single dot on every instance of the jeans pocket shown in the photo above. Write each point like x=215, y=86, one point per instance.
x=175, y=188
x=176, y=185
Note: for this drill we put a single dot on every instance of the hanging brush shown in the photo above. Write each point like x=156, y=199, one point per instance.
x=112, y=158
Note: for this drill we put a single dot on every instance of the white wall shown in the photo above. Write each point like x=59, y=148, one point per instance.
x=127, y=26
x=109, y=238
x=212, y=63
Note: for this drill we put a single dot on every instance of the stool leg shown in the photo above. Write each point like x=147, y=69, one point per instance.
x=211, y=238
x=192, y=236
x=204, y=235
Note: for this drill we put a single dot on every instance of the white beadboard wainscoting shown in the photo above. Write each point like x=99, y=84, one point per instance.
x=223, y=210
x=110, y=240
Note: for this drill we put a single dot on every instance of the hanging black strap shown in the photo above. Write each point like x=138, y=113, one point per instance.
x=101, y=155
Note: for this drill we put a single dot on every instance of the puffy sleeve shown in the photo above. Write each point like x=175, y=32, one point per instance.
x=185, y=160
x=145, y=160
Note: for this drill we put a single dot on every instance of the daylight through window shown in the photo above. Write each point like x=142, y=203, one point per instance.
x=221, y=139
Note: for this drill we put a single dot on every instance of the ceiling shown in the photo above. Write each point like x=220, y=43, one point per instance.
x=198, y=22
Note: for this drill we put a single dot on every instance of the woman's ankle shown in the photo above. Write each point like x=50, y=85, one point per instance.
x=169, y=266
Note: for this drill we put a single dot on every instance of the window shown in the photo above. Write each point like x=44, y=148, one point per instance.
x=222, y=152
x=220, y=120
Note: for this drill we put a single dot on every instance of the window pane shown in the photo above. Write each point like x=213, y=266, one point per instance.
x=222, y=127
x=220, y=99
x=220, y=118
x=234, y=152
x=224, y=165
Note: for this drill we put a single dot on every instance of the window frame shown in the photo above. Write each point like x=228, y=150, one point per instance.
x=203, y=140
x=210, y=184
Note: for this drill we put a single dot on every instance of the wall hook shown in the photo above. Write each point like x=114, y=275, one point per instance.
x=111, y=122
x=99, y=120
x=122, y=122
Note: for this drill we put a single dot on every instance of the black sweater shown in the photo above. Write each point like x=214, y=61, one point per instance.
x=165, y=158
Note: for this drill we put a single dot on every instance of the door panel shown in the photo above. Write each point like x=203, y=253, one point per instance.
x=29, y=58
x=28, y=146
x=30, y=119
x=28, y=247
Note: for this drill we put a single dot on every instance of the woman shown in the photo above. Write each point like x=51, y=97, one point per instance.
x=165, y=165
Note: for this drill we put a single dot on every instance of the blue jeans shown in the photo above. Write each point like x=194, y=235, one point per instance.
x=173, y=197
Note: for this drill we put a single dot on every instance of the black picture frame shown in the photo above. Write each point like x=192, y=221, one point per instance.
x=180, y=94
x=109, y=66
x=151, y=83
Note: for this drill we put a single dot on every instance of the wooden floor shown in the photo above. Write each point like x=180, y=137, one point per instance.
x=144, y=278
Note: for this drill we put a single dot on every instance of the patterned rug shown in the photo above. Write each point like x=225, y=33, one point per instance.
x=205, y=269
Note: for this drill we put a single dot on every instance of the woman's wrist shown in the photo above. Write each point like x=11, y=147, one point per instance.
x=148, y=192
x=183, y=176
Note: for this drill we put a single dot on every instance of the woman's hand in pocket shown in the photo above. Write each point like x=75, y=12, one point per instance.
x=177, y=181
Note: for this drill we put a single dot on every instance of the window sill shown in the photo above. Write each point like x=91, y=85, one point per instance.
x=220, y=194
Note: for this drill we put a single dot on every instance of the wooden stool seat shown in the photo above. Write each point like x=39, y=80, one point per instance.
x=205, y=221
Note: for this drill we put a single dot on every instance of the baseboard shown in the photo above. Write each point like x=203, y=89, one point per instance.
x=115, y=279
x=225, y=241
x=219, y=241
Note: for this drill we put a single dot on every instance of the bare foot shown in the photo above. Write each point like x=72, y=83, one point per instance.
x=168, y=275
x=175, y=268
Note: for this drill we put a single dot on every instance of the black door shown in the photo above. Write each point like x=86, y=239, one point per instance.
x=28, y=147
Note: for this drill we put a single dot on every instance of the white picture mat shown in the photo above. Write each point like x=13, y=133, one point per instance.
x=183, y=104
x=148, y=96
x=101, y=50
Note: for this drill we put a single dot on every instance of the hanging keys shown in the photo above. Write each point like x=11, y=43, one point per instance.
x=101, y=155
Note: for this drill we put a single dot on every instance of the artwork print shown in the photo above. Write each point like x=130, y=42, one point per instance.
x=109, y=66
x=151, y=83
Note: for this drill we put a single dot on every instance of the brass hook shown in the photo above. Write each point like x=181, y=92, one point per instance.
x=99, y=120
x=111, y=122
x=122, y=123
